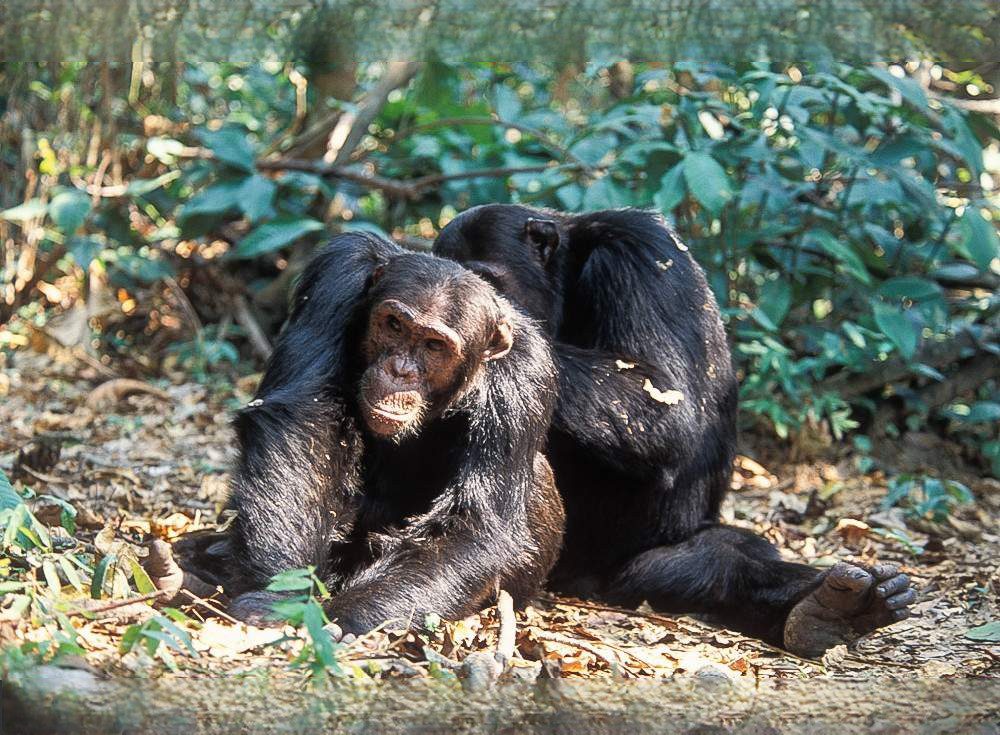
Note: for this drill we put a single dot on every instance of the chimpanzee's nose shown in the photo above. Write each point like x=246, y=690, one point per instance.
x=401, y=367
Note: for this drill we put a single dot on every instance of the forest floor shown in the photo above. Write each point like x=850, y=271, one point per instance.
x=137, y=464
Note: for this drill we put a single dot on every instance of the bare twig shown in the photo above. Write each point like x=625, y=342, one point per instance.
x=936, y=354
x=343, y=130
x=664, y=620
x=196, y=600
x=245, y=318
x=392, y=187
x=412, y=189
x=115, y=604
x=565, y=640
x=186, y=306
x=968, y=377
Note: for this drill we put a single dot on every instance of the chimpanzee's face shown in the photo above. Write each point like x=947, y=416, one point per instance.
x=423, y=346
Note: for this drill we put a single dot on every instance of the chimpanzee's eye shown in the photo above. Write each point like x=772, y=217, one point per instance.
x=434, y=345
x=394, y=324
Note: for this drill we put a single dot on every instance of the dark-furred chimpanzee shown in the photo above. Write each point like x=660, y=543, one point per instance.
x=644, y=433
x=395, y=444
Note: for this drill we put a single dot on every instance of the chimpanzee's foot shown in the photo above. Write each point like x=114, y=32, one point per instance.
x=850, y=602
x=167, y=575
x=256, y=608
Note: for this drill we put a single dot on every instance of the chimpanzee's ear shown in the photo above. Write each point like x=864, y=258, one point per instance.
x=377, y=273
x=543, y=234
x=502, y=341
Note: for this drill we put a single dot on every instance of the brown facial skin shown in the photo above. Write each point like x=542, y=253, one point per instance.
x=417, y=365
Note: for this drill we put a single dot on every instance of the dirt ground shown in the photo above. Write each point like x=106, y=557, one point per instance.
x=137, y=464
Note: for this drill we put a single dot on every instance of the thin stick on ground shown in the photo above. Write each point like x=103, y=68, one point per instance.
x=508, y=625
x=115, y=604
x=657, y=618
x=196, y=600
x=565, y=640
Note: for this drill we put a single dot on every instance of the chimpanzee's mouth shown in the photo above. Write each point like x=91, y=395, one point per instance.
x=394, y=410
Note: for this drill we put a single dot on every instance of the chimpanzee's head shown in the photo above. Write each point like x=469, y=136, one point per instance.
x=518, y=250
x=432, y=325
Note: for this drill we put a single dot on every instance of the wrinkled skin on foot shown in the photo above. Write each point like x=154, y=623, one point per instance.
x=850, y=602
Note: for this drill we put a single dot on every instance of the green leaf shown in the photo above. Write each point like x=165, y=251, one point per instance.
x=909, y=89
x=910, y=287
x=100, y=571
x=983, y=412
x=142, y=581
x=221, y=197
x=296, y=580
x=230, y=145
x=775, y=300
x=707, y=181
x=256, y=196
x=147, y=270
x=989, y=632
x=897, y=327
x=854, y=334
x=603, y=194
x=672, y=190
x=84, y=250
x=69, y=209
x=181, y=635
x=141, y=187
x=129, y=638
x=981, y=239
x=275, y=234
x=51, y=577
x=9, y=498
x=593, y=149
x=71, y=574
x=31, y=209
x=314, y=620
x=842, y=253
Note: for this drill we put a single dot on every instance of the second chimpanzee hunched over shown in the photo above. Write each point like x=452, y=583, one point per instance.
x=644, y=433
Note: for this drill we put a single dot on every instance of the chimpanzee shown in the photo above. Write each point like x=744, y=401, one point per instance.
x=395, y=444
x=644, y=432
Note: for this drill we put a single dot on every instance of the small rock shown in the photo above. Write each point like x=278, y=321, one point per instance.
x=715, y=675
x=480, y=671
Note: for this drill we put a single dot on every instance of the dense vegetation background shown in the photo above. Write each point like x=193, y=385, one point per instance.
x=155, y=215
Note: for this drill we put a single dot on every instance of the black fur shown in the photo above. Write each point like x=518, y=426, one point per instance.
x=433, y=523
x=642, y=475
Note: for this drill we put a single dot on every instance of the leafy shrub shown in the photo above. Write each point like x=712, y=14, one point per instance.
x=843, y=213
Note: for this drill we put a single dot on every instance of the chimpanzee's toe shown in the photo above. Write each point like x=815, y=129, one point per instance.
x=850, y=602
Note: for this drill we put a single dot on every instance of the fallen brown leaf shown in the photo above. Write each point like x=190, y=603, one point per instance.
x=109, y=393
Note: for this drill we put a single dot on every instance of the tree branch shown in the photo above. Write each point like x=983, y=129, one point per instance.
x=343, y=130
x=410, y=190
x=851, y=385
x=546, y=142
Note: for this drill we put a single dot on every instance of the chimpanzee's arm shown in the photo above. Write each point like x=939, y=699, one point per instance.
x=289, y=487
x=298, y=449
x=452, y=575
x=628, y=413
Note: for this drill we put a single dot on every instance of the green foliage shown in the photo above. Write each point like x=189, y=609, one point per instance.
x=159, y=636
x=830, y=204
x=926, y=497
x=990, y=632
x=319, y=652
x=207, y=350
